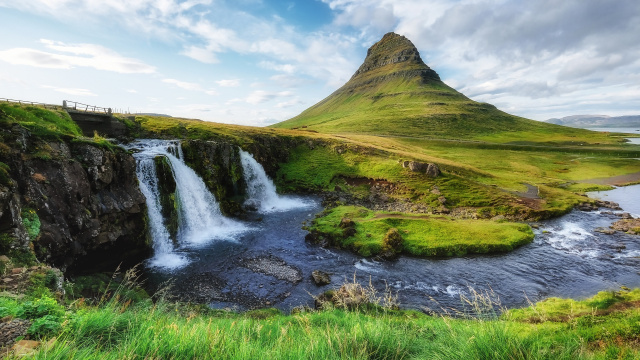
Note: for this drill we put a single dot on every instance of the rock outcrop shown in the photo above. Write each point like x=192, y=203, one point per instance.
x=431, y=170
x=392, y=49
x=71, y=202
x=218, y=164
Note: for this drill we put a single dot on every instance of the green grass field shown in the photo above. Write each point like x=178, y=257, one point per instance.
x=602, y=327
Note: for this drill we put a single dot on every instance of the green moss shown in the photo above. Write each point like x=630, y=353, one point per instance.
x=22, y=257
x=5, y=178
x=422, y=235
x=31, y=222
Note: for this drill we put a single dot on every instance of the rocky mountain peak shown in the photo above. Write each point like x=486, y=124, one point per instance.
x=397, y=52
x=391, y=49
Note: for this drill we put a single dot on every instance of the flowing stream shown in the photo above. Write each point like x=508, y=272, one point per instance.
x=268, y=263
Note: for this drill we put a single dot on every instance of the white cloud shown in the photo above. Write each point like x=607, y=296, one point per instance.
x=290, y=103
x=229, y=83
x=261, y=96
x=183, y=84
x=285, y=68
x=132, y=91
x=70, y=91
x=84, y=55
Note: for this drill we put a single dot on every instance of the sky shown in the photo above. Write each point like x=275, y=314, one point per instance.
x=258, y=62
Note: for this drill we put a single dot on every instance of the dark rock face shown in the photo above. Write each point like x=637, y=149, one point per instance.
x=167, y=188
x=85, y=198
x=218, y=163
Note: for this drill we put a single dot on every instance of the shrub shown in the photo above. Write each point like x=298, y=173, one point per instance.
x=31, y=222
x=392, y=244
x=45, y=326
x=44, y=306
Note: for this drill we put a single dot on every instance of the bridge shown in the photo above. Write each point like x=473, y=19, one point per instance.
x=90, y=118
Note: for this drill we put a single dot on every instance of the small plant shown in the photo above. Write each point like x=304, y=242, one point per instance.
x=355, y=296
x=40, y=307
x=45, y=326
x=31, y=222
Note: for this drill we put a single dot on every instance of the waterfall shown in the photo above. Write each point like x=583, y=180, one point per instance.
x=199, y=216
x=261, y=192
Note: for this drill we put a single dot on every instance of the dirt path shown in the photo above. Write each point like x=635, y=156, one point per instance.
x=406, y=217
x=619, y=180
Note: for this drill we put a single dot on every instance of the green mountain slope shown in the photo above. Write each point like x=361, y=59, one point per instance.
x=395, y=93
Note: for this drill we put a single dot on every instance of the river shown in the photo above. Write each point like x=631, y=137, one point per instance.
x=566, y=259
x=627, y=130
x=265, y=261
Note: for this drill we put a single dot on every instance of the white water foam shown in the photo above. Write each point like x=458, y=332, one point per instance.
x=199, y=218
x=368, y=266
x=262, y=192
x=574, y=239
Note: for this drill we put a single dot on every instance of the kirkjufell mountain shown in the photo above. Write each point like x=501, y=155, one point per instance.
x=395, y=93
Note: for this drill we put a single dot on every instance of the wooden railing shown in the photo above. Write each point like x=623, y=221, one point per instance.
x=76, y=106
x=23, y=102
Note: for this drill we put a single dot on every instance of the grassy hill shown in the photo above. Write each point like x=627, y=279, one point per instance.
x=395, y=93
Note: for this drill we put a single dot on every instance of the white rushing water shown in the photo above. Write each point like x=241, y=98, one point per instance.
x=261, y=191
x=199, y=216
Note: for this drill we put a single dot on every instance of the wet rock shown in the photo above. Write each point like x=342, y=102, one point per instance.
x=273, y=266
x=626, y=215
x=586, y=207
x=630, y=226
x=320, y=277
x=605, y=231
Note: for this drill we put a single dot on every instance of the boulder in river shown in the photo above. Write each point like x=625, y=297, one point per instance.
x=320, y=277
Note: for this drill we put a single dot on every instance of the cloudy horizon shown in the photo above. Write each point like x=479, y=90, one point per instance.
x=257, y=62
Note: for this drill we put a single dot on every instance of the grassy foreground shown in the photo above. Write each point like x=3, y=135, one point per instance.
x=606, y=326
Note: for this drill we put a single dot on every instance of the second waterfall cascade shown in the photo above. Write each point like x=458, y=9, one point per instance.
x=199, y=218
x=261, y=192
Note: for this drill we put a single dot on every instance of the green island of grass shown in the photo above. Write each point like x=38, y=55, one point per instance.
x=421, y=235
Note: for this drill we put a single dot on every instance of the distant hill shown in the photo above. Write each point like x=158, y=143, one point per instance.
x=594, y=121
x=395, y=93
x=153, y=114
